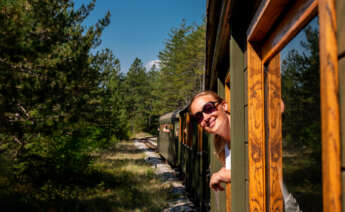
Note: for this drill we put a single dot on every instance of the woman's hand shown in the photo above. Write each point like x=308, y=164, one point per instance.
x=222, y=176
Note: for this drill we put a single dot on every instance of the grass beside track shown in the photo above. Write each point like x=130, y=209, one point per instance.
x=119, y=180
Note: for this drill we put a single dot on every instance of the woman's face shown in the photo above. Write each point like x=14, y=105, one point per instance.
x=214, y=122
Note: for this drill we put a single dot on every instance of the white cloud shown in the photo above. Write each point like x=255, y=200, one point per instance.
x=149, y=65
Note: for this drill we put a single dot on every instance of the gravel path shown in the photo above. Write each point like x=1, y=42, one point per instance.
x=164, y=170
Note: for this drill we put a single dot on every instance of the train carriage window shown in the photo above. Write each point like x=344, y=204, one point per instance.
x=290, y=78
x=298, y=96
x=301, y=118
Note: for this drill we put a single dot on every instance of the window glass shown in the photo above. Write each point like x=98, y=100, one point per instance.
x=301, y=126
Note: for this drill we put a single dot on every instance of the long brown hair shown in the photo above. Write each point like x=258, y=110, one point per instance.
x=219, y=143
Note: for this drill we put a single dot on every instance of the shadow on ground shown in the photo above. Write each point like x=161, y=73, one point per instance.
x=120, y=184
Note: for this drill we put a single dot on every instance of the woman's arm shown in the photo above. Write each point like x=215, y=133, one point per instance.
x=222, y=176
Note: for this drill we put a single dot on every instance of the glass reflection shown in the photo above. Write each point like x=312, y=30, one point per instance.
x=301, y=118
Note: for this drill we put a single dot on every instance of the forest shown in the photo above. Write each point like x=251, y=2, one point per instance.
x=61, y=101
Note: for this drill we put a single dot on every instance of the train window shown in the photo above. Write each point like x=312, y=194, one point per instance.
x=299, y=101
x=291, y=82
x=301, y=126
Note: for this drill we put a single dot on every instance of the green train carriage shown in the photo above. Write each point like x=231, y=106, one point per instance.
x=181, y=144
x=168, y=143
x=245, y=44
x=252, y=47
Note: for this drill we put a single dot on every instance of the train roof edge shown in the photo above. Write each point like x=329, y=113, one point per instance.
x=172, y=116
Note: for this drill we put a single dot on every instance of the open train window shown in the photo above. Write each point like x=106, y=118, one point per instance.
x=287, y=69
x=298, y=134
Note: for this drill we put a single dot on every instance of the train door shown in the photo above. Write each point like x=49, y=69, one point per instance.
x=293, y=108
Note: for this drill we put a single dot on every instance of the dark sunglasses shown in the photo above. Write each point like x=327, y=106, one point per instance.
x=208, y=108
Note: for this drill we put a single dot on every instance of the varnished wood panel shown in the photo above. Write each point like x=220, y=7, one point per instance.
x=340, y=7
x=256, y=132
x=274, y=135
x=343, y=188
x=296, y=18
x=228, y=197
x=227, y=92
x=329, y=107
x=189, y=130
x=263, y=21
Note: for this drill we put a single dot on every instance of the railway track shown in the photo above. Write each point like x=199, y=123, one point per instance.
x=180, y=200
x=150, y=142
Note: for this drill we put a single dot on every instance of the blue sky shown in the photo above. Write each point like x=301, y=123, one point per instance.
x=139, y=28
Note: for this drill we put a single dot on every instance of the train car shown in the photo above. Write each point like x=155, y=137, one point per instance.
x=182, y=143
x=195, y=160
x=280, y=64
x=187, y=148
x=168, y=144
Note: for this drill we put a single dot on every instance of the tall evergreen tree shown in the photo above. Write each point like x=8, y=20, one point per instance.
x=137, y=95
x=50, y=88
x=182, y=67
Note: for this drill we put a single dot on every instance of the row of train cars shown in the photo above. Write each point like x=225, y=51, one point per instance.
x=186, y=147
x=249, y=44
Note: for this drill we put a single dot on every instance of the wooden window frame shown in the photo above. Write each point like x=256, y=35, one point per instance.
x=262, y=45
x=227, y=91
x=228, y=101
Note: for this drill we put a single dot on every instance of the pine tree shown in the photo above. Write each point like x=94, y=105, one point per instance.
x=137, y=95
x=49, y=88
x=182, y=67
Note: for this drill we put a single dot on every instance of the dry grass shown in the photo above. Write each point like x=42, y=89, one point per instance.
x=139, y=188
x=120, y=180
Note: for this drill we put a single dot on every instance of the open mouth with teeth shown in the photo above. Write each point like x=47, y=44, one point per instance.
x=211, y=122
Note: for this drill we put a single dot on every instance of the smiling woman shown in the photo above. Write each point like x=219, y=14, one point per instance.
x=211, y=113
